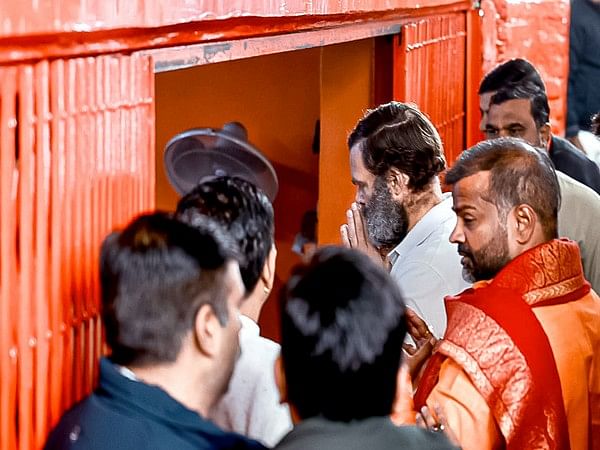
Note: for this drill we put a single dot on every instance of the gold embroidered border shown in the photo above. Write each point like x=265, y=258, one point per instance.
x=494, y=364
x=553, y=291
x=547, y=271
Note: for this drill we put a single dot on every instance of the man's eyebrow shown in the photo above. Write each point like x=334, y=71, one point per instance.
x=458, y=209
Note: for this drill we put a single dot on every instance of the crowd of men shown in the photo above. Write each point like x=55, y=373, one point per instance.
x=462, y=319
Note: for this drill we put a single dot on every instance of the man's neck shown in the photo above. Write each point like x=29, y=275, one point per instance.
x=423, y=202
x=181, y=381
x=252, y=305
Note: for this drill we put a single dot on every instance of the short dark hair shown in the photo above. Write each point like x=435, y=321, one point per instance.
x=519, y=174
x=540, y=109
x=342, y=331
x=244, y=210
x=155, y=276
x=510, y=73
x=596, y=124
x=399, y=135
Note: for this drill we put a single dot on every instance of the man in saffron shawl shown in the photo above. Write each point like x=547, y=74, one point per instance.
x=519, y=364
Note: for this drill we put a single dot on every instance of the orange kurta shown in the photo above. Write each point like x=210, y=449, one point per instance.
x=572, y=327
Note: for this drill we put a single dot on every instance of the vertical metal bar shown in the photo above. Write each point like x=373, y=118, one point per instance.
x=400, y=61
x=8, y=256
x=435, y=68
x=39, y=301
x=28, y=152
x=97, y=212
x=445, y=49
x=146, y=135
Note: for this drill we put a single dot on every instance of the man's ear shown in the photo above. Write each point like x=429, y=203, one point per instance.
x=397, y=181
x=525, y=222
x=545, y=134
x=207, y=331
x=268, y=273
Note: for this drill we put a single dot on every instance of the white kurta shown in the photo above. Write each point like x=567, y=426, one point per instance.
x=251, y=406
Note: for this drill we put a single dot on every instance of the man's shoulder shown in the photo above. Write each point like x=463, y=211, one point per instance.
x=563, y=150
x=566, y=154
x=374, y=433
x=258, y=354
x=579, y=210
x=568, y=159
x=96, y=424
x=91, y=424
x=573, y=191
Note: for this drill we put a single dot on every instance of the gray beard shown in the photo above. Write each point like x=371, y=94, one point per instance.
x=387, y=220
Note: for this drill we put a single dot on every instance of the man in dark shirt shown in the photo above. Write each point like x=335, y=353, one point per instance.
x=170, y=299
x=342, y=328
x=519, y=81
x=583, y=98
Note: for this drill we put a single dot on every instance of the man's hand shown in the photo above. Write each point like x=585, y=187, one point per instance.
x=354, y=235
x=424, y=340
x=436, y=423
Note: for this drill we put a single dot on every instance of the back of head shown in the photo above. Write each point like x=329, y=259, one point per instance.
x=342, y=332
x=399, y=135
x=155, y=276
x=510, y=73
x=519, y=174
x=540, y=109
x=241, y=208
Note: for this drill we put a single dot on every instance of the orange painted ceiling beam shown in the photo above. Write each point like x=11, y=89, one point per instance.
x=137, y=35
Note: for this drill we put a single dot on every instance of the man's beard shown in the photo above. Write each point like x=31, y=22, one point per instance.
x=485, y=263
x=387, y=220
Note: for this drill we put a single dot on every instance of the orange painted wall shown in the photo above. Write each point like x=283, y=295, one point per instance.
x=277, y=98
x=538, y=31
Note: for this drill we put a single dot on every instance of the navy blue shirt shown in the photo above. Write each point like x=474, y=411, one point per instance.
x=128, y=414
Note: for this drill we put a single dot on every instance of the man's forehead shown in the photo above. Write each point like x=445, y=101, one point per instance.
x=485, y=99
x=516, y=110
x=357, y=166
x=471, y=190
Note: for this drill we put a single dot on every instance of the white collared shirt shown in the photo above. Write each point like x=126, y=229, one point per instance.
x=427, y=266
x=251, y=405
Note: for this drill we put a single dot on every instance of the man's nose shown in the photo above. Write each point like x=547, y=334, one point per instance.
x=457, y=236
x=359, y=198
x=483, y=122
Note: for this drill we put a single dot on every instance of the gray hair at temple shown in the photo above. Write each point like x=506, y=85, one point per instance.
x=519, y=174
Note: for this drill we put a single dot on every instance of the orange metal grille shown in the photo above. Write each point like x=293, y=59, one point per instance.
x=76, y=160
x=431, y=72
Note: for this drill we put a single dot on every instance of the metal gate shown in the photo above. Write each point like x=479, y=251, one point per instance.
x=76, y=160
x=430, y=70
